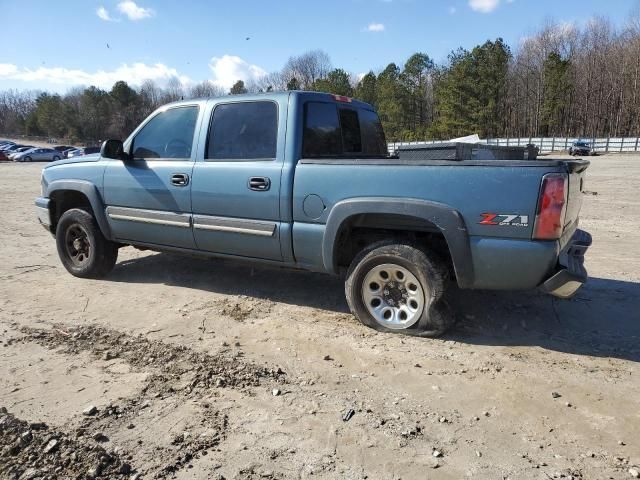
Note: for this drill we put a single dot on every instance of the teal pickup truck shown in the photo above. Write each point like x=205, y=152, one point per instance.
x=304, y=179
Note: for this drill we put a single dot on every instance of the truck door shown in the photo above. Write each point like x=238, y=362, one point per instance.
x=148, y=198
x=236, y=184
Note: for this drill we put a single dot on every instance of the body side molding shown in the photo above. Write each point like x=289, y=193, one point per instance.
x=157, y=217
x=235, y=225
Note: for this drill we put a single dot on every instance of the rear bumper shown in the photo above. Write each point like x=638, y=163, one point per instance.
x=570, y=273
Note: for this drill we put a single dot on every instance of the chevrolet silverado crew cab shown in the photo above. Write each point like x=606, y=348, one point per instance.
x=304, y=180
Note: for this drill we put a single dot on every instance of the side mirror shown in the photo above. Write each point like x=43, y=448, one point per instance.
x=113, y=149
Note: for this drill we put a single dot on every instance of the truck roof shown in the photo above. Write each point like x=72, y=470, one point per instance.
x=305, y=95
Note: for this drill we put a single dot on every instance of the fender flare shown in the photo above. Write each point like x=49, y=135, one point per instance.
x=91, y=192
x=448, y=220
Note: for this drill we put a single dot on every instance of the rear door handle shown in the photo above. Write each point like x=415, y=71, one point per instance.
x=180, y=179
x=259, y=184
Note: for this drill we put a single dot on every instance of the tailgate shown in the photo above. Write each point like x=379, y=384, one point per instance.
x=576, y=171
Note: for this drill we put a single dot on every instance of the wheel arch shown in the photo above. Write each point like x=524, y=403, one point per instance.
x=68, y=194
x=400, y=215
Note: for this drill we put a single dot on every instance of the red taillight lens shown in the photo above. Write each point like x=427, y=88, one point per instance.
x=551, y=207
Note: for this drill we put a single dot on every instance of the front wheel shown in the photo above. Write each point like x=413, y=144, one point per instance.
x=82, y=248
x=56, y=158
x=27, y=159
x=398, y=288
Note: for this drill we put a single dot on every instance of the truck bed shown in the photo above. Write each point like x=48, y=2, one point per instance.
x=470, y=188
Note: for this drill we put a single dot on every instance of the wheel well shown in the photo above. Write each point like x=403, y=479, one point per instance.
x=63, y=200
x=360, y=231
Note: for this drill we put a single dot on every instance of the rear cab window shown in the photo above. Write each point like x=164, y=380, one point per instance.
x=334, y=130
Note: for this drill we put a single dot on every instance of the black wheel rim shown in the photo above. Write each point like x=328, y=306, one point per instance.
x=78, y=245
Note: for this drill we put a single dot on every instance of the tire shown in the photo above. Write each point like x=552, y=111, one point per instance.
x=27, y=159
x=370, y=296
x=56, y=158
x=82, y=248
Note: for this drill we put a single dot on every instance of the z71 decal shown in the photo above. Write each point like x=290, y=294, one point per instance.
x=502, y=219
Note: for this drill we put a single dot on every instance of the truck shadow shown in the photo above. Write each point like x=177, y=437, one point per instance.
x=602, y=320
x=294, y=287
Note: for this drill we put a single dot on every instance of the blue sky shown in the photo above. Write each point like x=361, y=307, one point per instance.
x=55, y=45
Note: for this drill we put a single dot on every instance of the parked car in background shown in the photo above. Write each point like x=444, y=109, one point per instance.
x=75, y=152
x=7, y=146
x=18, y=151
x=62, y=148
x=79, y=152
x=13, y=148
x=38, y=155
x=581, y=148
x=65, y=153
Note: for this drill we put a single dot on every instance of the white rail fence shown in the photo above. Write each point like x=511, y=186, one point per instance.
x=550, y=144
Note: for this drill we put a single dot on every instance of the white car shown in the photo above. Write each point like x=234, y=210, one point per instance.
x=18, y=151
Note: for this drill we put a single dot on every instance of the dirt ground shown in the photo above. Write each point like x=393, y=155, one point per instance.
x=211, y=369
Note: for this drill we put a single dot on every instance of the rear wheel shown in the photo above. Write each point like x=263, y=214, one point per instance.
x=55, y=158
x=82, y=248
x=398, y=288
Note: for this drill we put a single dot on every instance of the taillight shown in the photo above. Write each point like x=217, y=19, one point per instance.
x=552, y=205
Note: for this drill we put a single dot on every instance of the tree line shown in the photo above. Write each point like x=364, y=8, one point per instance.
x=560, y=81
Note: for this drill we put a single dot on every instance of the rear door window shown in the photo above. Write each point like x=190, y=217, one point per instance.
x=243, y=131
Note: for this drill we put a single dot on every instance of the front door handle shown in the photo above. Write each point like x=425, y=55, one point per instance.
x=259, y=184
x=180, y=179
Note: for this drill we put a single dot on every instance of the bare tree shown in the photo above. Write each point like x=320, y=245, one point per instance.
x=307, y=68
x=205, y=89
x=173, y=90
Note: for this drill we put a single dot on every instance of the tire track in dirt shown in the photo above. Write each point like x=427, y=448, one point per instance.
x=178, y=374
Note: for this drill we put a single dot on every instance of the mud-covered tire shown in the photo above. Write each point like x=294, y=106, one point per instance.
x=82, y=248
x=435, y=317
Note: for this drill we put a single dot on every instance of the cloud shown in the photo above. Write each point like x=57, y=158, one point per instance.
x=104, y=15
x=6, y=69
x=375, y=27
x=484, y=6
x=133, y=11
x=134, y=74
x=228, y=69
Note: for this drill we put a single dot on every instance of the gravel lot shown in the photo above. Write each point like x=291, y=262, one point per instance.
x=210, y=369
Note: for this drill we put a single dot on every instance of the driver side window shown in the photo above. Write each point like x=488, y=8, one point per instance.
x=168, y=135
